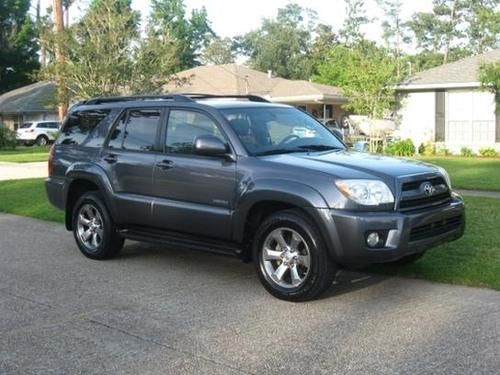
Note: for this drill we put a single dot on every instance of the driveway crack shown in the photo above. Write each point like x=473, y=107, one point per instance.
x=191, y=354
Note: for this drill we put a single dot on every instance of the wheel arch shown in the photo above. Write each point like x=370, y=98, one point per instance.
x=268, y=198
x=82, y=179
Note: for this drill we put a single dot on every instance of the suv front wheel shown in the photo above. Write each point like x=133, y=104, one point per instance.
x=290, y=257
x=94, y=229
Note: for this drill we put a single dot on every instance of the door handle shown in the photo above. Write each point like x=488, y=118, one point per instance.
x=165, y=164
x=110, y=158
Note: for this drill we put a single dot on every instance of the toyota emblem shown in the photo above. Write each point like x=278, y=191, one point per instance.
x=428, y=189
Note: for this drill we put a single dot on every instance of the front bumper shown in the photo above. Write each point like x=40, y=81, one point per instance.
x=26, y=137
x=407, y=233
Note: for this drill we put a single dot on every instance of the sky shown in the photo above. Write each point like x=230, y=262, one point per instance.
x=235, y=17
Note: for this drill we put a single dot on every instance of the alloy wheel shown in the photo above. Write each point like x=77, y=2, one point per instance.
x=285, y=258
x=90, y=227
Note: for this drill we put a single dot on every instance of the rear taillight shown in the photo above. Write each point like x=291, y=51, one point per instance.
x=30, y=130
x=51, y=159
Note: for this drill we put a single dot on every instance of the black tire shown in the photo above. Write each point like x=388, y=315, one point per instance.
x=321, y=272
x=408, y=259
x=108, y=243
x=42, y=140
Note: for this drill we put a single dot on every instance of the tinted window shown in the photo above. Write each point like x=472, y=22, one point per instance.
x=42, y=126
x=80, y=124
x=183, y=128
x=26, y=125
x=136, y=130
x=53, y=125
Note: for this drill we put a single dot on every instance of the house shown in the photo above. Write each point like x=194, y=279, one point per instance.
x=447, y=105
x=30, y=103
x=324, y=101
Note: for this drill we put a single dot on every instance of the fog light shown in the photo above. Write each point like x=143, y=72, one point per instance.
x=373, y=239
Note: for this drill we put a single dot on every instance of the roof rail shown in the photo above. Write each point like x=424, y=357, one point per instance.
x=184, y=98
x=250, y=98
x=112, y=99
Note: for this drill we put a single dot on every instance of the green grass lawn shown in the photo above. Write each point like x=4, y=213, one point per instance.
x=23, y=154
x=473, y=260
x=470, y=173
x=28, y=198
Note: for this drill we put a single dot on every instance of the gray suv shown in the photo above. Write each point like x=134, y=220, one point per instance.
x=244, y=177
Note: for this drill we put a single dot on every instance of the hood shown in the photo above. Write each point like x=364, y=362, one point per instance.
x=347, y=164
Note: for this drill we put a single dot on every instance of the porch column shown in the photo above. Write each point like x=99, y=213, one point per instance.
x=324, y=112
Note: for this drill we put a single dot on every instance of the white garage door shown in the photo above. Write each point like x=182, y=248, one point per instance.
x=470, y=118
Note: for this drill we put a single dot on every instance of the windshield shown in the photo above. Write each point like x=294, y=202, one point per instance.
x=266, y=131
x=26, y=125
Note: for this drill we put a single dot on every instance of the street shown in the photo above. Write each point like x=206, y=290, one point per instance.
x=155, y=310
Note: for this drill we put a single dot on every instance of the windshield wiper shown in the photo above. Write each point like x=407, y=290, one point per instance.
x=320, y=147
x=280, y=151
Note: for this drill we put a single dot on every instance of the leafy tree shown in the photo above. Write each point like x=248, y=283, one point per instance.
x=105, y=55
x=439, y=31
x=191, y=34
x=483, y=31
x=365, y=73
x=394, y=30
x=355, y=18
x=427, y=59
x=219, y=51
x=282, y=44
x=325, y=39
x=18, y=45
x=489, y=76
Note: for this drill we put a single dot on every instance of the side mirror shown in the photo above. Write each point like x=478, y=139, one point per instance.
x=209, y=145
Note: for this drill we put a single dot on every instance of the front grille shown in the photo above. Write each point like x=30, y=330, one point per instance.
x=415, y=185
x=436, y=228
x=414, y=197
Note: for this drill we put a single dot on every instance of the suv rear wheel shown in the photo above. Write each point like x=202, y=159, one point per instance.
x=42, y=140
x=290, y=257
x=94, y=229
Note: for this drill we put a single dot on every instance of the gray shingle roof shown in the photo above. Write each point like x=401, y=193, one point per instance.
x=37, y=97
x=464, y=71
x=234, y=79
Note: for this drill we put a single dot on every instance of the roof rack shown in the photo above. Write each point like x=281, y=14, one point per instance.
x=184, y=98
x=112, y=99
x=250, y=98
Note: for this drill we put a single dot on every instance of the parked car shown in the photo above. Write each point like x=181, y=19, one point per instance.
x=232, y=176
x=39, y=132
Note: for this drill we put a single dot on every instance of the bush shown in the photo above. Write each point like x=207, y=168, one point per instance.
x=401, y=148
x=466, y=152
x=427, y=149
x=7, y=138
x=488, y=152
x=441, y=150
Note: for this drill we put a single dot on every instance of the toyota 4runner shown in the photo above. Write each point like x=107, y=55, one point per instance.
x=241, y=176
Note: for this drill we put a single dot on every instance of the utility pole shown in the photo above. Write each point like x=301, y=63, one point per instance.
x=60, y=60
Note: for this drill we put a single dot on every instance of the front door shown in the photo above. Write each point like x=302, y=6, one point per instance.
x=128, y=160
x=194, y=193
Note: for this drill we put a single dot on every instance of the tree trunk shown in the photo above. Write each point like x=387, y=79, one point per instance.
x=448, y=37
x=59, y=29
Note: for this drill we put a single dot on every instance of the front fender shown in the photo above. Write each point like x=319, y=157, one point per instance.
x=275, y=190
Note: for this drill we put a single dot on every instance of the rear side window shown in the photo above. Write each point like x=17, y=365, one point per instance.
x=80, y=125
x=136, y=130
x=26, y=125
x=41, y=126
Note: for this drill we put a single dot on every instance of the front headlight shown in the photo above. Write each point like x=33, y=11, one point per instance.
x=446, y=176
x=366, y=192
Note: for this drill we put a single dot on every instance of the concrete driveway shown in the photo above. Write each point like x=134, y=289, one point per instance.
x=15, y=171
x=167, y=311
